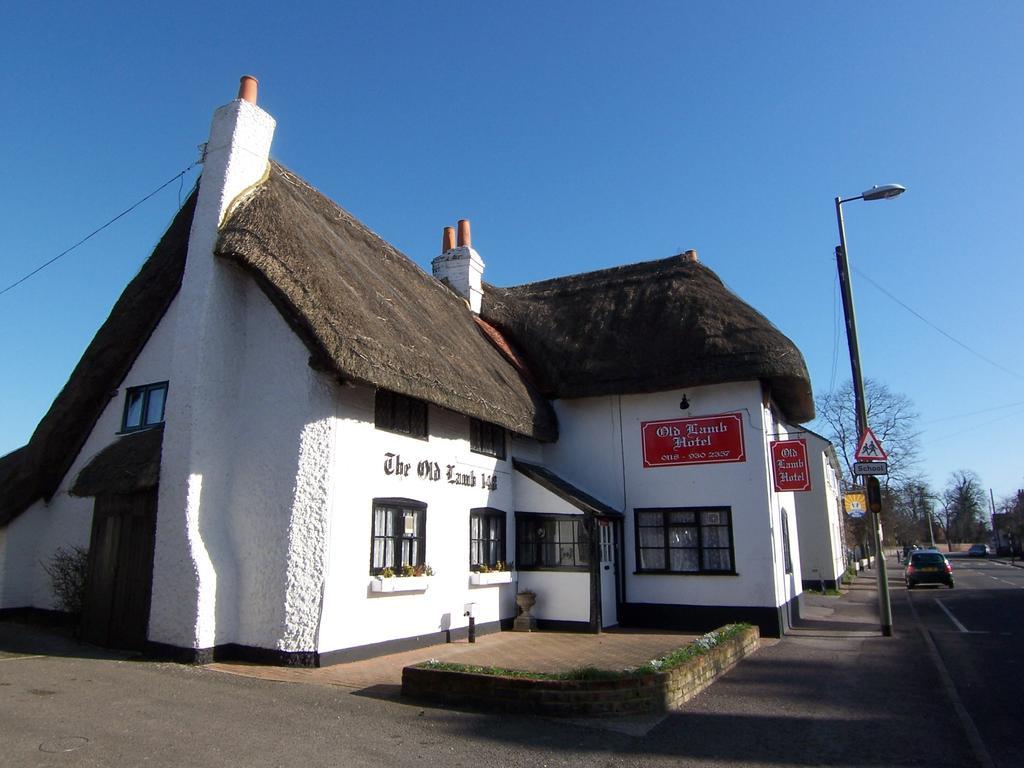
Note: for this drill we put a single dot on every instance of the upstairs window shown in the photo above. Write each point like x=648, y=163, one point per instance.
x=144, y=407
x=486, y=538
x=399, y=534
x=398, y=413
x=486, y=438
x=684, y=540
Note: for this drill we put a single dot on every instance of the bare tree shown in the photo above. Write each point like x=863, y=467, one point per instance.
x=963, y=508
x=1009, y=522
x=891, y=417
x=909, y=510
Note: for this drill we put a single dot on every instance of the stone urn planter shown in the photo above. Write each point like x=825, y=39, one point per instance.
x=525, y=622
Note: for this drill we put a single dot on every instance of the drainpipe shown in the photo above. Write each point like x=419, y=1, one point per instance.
x=595, y=573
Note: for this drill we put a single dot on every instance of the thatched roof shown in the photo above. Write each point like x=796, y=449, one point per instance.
x=36, y=470
x=370, y=314
x=647, y=327
x=17, y=487
x=128, y=465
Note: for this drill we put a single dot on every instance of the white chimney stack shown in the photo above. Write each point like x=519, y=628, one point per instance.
x=460, y=266
x=236, y=154
x=209, y=340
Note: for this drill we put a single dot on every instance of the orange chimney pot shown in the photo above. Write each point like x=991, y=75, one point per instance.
x=247, y=88
x=465, y=239
x=448, y=239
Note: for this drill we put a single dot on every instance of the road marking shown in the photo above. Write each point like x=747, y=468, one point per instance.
x=958, y=632
x=1004, y=564
x=952, y=618
x=1004, y=581
x=971, y=730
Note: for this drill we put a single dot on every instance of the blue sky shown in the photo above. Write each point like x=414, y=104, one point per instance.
x=574, y=136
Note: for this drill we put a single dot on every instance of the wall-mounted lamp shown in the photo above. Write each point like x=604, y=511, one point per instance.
x=684, y=403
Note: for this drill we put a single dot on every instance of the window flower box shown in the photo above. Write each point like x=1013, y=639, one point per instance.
x=399, y=584
x=491, y=577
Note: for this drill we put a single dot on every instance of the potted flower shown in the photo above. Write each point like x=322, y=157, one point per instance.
x=485, y=575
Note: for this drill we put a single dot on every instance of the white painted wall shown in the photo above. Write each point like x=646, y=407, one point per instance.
x=561, y=595
x=266, y=539
x=353, y=615
x=787, y=585
x=819, y=512
x=267, y=546
x=600, y=450
x=66, y=521
x=195, y=581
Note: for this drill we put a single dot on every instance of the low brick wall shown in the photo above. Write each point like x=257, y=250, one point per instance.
x=687, y=680
x=627, y=695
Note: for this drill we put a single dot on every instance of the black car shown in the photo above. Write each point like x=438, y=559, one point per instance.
x=928, y=567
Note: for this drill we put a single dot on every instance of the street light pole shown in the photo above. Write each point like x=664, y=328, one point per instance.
x=875, y=193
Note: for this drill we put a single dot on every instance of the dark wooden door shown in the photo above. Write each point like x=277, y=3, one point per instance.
x=120, y=578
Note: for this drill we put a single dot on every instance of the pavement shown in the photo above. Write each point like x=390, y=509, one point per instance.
x=531, y=651
x=1016, y=562
x=832, y=692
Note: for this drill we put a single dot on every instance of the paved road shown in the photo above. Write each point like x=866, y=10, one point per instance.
x=978, y=628
x=833, y=693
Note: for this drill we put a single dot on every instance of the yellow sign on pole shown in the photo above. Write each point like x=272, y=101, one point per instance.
x=855, y=503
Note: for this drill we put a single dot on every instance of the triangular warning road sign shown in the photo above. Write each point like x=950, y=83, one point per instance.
x=869, y=448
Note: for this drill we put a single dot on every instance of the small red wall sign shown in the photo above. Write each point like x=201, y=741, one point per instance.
x=705, y=440
x=789, y=465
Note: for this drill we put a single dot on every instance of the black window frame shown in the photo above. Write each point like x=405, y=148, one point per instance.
x=486, y=438
x=787, y=552
x=533, y=560
x=401, y=414
x=396, y=508
x=491, y=521
x=146, y=391
x=700, y=548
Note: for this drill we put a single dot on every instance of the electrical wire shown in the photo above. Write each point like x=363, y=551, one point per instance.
x=933, y=326
x=835, y=333
x=975, y=413
x=943, y=438
x=95, y=232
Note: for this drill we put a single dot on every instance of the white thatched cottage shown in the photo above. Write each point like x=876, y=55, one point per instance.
x=282, y=411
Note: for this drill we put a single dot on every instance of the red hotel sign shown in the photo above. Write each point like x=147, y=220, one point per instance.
x=707, y=440
x=789, y=465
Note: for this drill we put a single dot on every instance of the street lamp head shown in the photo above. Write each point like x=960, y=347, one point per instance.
x=884, y=192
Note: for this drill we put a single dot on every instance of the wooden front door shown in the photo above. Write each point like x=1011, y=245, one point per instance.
x=120, y=577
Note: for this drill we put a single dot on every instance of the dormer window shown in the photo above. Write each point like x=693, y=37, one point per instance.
x=399, y=413
x=486, y=438
x=144, y=407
